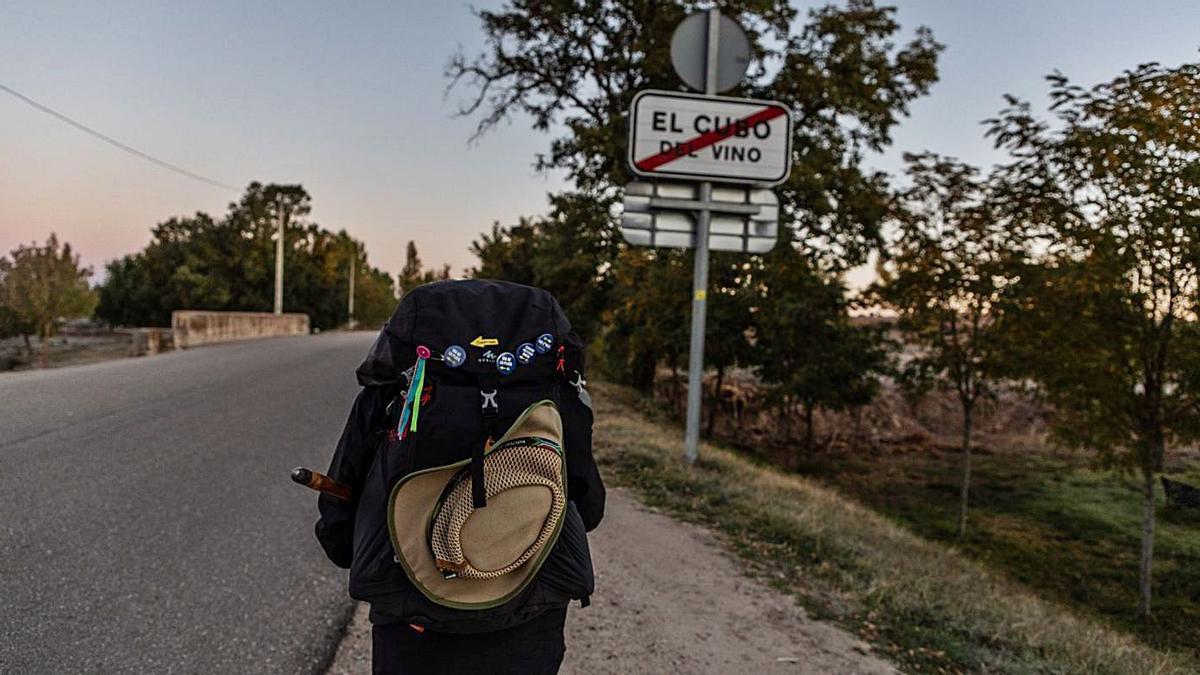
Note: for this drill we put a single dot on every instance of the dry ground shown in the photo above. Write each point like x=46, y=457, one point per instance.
x=668, y=600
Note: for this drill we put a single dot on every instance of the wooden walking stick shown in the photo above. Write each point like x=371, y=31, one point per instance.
x=321, y=483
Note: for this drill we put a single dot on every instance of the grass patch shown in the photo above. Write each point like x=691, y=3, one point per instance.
x=1066, y=531
x=923, y=604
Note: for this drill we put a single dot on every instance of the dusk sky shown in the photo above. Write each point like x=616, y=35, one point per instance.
x=349, y=101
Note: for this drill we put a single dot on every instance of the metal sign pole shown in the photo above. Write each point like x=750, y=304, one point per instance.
x=279, y=256
x=700, y=273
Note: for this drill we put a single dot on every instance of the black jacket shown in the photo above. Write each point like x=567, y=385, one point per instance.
x=354, y=534
x=361, y=437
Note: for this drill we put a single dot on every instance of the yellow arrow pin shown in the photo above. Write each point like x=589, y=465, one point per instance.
x=484, y=342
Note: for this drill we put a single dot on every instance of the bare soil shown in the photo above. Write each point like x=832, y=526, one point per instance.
x=65, y=350
x=669, y=600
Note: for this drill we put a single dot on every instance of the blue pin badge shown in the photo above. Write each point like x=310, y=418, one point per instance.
x=544, y=343
x=454, y=356
x=526, y=352
x=506, y=363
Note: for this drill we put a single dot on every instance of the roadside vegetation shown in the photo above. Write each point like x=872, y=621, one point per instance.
x=227, y=263
x=1054, y=519
x=40, y=287
x=192, y=262
x=923, y=604
x=1054, y=523
x=1072, y=267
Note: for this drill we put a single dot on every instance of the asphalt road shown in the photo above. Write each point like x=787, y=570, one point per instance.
x=147, y=523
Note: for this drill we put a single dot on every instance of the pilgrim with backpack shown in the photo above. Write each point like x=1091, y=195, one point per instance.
x=469, y=482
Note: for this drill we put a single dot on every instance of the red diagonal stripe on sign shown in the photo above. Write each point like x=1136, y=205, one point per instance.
x=709, y=138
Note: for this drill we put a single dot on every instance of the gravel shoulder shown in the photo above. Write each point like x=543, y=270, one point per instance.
x=669, y=600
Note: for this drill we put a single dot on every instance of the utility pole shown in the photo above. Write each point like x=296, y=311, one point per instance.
x=350, y=300
x=700, y=271
x=279, y=256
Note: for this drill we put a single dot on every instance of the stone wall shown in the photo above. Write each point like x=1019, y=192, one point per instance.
x=193, y=327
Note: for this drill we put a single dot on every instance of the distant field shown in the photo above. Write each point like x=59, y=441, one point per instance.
x=923, y=603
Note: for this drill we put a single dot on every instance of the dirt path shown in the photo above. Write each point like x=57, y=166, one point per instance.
x=668, y=600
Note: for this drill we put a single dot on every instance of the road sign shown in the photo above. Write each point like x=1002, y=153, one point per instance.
x=744, y=220
x=689, y=52
x=689, y=136
x=705, y=138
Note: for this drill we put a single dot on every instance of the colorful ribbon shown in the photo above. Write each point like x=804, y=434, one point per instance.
x=412, y=402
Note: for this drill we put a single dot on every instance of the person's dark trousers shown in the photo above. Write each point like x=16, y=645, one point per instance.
x=535, y=647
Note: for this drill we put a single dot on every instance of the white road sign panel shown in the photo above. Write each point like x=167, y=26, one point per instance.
x=658, y=214
x=694, y=137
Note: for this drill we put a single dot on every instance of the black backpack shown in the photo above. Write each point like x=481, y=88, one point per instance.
x=482, y=352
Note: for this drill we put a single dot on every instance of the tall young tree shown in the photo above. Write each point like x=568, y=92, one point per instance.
x=1112, y=183
x=947, y=270
x=42, y=285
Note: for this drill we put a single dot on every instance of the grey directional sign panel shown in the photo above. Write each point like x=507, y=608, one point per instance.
x=663, y=214
x=689, y=51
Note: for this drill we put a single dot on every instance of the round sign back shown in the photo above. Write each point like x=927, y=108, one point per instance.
x=689, y=51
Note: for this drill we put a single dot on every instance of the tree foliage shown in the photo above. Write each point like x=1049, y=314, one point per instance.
x=227, y=264
x=40, y=287
x=1111, y=184
x=414, y=274
x=560, y=252
x=806, y=346
x=573, y=68
x=650, y=315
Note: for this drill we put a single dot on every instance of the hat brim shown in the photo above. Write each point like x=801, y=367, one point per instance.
x=411, y=508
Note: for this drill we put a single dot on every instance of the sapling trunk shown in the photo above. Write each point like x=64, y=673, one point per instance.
x=1147, y=559
x=715, y=404
x=45, y=355
x=676, y=395
x=808, y=428
x=786, y=415
x=965, y=491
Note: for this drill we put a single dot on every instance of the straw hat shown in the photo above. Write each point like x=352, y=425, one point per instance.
x=469, y=558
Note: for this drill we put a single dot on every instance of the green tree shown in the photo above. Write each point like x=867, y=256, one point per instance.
x=649, y=316
x=559, y=252
x=413, y=274
x=1112, y=185
x=576, y=67
x=729, y=321
x=11, y=323
x=375, y=291
x=506, y=253
x=806, y=347
x=945, y=277
x=573, y=69
x=42, y=286
x=228, y=264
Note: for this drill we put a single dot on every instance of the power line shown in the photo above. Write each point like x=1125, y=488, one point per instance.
x=112, y=141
